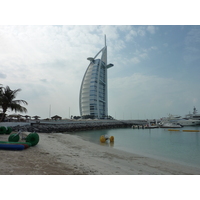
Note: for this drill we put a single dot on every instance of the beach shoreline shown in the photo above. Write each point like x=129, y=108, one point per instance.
x=67, y=154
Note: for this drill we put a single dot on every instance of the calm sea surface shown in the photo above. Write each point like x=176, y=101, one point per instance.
x=178, y=146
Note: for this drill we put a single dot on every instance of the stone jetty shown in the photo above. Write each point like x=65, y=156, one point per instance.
x=74, y=126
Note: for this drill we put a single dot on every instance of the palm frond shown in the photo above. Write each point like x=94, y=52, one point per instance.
x=18, y=108
x=20, y=101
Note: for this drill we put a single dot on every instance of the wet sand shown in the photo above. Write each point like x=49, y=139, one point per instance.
x=65, y=154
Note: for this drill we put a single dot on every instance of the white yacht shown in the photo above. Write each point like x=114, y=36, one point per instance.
x=166, y=122
x=169, y=125
x=188, y=122
x=183, y=121
x=194, y=115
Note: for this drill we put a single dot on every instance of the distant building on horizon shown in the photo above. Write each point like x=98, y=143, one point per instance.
x=93, y=99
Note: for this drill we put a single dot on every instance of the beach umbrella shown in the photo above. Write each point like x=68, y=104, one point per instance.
x=26, y=116
x=36, y=117
x=56, y=117
x=15, y=116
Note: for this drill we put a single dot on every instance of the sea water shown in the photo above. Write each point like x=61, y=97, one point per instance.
x=176, y=146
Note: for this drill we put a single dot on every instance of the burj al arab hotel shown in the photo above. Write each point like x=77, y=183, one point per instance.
x=93, y=99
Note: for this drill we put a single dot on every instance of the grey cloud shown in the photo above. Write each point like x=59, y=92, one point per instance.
x=151, y=29
x=2, y=75
x=43, y=80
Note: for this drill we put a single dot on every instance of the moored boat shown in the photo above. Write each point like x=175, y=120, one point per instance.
x=194, y=115
x=150, y=125
x=170, y=125
x=188, y=122
x=182, y=121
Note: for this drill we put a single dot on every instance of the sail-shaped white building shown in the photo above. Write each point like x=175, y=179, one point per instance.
x=93, y=99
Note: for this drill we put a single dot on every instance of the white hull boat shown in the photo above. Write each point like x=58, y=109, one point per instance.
x=188, y=122
x=194, y=115
x=182, y=121
x=170, y=125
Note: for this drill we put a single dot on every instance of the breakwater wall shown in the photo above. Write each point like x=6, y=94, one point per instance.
x=61, y=127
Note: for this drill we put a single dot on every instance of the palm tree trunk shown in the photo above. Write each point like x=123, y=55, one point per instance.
x=2, y=117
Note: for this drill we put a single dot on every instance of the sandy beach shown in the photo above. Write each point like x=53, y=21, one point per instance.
x=65, y=154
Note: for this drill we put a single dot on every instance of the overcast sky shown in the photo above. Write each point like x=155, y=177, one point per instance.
x=156, y=68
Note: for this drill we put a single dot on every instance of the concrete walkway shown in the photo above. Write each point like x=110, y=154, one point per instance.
x=11, y=124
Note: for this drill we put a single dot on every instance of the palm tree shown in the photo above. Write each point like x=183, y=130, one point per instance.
x=0, y=95
x=7, y=101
